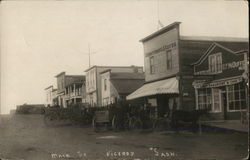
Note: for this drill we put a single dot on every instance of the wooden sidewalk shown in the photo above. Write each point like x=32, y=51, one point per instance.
x=235, y=125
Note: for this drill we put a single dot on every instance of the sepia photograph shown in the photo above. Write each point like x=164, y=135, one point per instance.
x=124, y=80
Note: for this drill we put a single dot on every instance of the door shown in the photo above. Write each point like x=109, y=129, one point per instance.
x=224, y=104
x=217, y=100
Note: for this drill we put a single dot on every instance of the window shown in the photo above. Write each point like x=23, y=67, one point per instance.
x=105, y=84
x=205, y=98
x=209, y=98
x=215, y=63
x=169, y=59
x=216, y=100
x=152, y=67
x=236, y=97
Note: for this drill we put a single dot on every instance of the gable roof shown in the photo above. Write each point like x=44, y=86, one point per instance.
x=232, y=47
x=127, y=86
x=127, y=75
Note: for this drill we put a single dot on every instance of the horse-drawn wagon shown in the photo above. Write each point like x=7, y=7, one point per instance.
x=122, y=117
x=54, y=116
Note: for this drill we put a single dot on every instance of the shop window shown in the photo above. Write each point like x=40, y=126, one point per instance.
x=152, y=66
x=216, y=100
x=169, y=59
x=236, y=97
x=215, y=63
x=152, y=101
x=204, y=99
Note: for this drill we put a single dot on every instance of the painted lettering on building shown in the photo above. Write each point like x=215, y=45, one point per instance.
x=226, y=66
x=163, y=48
x=204, y=84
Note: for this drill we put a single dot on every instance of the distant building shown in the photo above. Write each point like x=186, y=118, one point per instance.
x=30, y=109
x=169, y=75
x=93, y=81
x=48, y=96
x=68, y=88
x=75, y=90
x=116, y=86
x=55, y=97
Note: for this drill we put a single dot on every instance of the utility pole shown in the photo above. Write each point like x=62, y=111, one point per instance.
x=89, y=55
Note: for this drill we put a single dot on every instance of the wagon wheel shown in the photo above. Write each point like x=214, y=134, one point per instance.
x=135, y=124
x=50, y=119
x=114, y=123
x=47, y=120
x=127, y=124
x=94, y=124
x=161, y=124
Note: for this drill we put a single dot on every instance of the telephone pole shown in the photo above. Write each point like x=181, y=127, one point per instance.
x=89, y=55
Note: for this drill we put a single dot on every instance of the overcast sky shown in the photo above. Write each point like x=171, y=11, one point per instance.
x=40, y=39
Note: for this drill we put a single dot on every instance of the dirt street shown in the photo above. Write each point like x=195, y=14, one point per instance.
x=26, y=137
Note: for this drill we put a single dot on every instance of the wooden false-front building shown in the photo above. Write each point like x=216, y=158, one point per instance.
x=169, y=59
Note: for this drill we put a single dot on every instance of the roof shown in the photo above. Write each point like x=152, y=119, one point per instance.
x=231, y=47
x=211, y=38
x=127, y=76
x=82, y=76
x=126, y=86
x=196, y=48
x=163, y=30
x=236, y=45
x=51, y=86
x=74, y=79
x=106, y=70
x=60, y=74
x=167, y=86
x=95, y=66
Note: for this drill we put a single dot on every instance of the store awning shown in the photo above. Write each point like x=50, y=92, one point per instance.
x=167, y=86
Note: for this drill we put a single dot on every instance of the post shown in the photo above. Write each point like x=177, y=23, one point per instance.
x=200, y=129
x=74, y=90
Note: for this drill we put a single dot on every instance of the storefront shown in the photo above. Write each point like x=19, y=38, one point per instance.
x=187, y=73
x=220, y=84
x=161, y=96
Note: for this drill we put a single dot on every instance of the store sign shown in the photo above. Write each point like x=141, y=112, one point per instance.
x=232, y=65
x=203, y=84
x=163, y=48
x=225, y=66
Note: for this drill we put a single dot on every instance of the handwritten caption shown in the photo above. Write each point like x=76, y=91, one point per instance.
x=121, y=155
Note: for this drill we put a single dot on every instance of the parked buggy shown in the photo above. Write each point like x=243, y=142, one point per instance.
x=118, y=116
